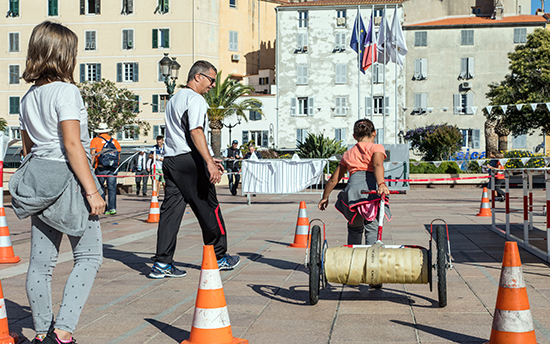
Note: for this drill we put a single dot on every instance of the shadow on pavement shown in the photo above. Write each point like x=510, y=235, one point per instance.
x=278, y=242
x=19, y=317
x=276, y=263
x=445, y=334
x=173, y=332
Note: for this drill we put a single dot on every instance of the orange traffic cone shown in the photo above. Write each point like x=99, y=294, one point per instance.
x=5, y=337
x=6, y=249
x=512, y=322
x=154, y=210
x=485, y=209
x=211, y=319
x=302, y=228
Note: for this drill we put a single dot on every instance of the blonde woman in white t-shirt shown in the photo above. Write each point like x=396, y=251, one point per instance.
x=54, y=129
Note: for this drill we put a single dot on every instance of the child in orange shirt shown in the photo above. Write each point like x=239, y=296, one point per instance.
x=365, y=163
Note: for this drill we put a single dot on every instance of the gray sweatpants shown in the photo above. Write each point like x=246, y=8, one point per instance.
x=360, y=226
x=87, y=255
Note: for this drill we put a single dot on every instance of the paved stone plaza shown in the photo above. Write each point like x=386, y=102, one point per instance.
x=267, y=295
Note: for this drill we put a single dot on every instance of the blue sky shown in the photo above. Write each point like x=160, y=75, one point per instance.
x=536, y=4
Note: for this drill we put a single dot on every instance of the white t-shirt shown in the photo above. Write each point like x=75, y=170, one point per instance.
x=43, y=108
x=186, y=100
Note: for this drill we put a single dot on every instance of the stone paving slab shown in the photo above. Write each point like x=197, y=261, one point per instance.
x=268, y=295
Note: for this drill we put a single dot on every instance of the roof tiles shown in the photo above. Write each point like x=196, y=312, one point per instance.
x=342, y=3
x=483, y=21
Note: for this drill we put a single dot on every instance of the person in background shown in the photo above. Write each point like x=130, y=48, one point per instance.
x=496, y=166
x=106, y=150
x=252, y=151
x=138, y=165
x=54, y=131
x=158, y=150
x=232, y=166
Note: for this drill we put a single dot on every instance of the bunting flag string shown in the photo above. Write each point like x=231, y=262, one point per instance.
x=502, y=161
x=488, y=108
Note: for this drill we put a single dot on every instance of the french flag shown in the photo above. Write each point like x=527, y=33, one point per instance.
x=371, y=53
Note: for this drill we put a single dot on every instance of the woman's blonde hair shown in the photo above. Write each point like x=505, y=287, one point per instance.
x=51, y=54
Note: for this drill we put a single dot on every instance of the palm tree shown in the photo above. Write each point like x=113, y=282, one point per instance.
x=222, y=104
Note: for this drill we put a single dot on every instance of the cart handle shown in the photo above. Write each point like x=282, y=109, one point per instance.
x=401, y=192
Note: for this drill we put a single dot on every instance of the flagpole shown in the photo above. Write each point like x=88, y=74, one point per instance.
x=359, y=43
x=395, y=52
x=372, y=69
x=384, y=92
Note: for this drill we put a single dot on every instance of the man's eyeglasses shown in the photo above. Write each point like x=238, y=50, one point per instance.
x=211, y=79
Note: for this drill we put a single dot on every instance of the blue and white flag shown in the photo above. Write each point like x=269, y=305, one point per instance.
x=358, y=38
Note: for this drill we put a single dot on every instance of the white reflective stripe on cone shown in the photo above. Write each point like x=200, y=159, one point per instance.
x=5, y=241
x=210, y=279
x=302, y=213
x=302, y=230
x=513, y=321
x=3, y=314
x=211, y=318
x=485, y=205
x=512, y=277
x=154, y=210
x=154, y=199
x=3, y=222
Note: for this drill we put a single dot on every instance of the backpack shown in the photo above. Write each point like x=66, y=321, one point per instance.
x=110, y=157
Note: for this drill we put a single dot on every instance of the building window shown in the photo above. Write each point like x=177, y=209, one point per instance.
x=264, y=81
x=340, y=135
x=90, y=7
x=90, y=72
x=340, y=106
x=303, y=19
x=378, y=105
x=466, y=68
x=301, y=135
x=301, y=43
x=127, y=7
x=129, y=133
x=463, y=103
x=159, y=102
x=260, y=137
x=14, y=74
x=471, y=138
x=128, y=39
x=14, y=105
x=301, y=106
x=90, y=40
x=13, y=10
x=339, y=42
x=341, y=71
x=163, y=7
x=302, y=75
x=13, y=44
x=53, y=8
x=15, y=133
x=253, y=114
x=467, y=37
x=233, y=41
x=420, y=69
x=127, y=72
x=341, y=18
x=421, y=39
x=377, y=73
x=519, y=142
x=421, y=103
x=161, y=38
x=520, y=35
x=233, y=3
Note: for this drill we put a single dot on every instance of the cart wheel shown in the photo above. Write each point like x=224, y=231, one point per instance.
x=323, y=275
x=314, y=265
x=441, y=239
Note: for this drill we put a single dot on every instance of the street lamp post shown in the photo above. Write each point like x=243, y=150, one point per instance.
x=169, y=69
x=231, y=126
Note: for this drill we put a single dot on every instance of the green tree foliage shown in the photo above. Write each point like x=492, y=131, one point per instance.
x=449, y=167
x=528, y=82
x=106, y=103
x=3, y=124
x=222, y=100
x=435, y=142
x=319, y=146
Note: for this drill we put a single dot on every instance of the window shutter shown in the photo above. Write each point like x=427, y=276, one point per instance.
x=343, y=73
x=119, y=135
x=14, y=105
x=417, y=69
x=337, y=78
x=337, y=135
x=424, y=101
x=119, y=72
x=136, y=104
x=165, y=5
x=136, y=72
x=299, y=44
x=166, y=38
x=386, y=106
x=457, y=103
x=155, y=103
x=98, y=72
x=93, y=36
x=299, y=138
x=375, y=73
x=293, y=103
x=310, y=105
x=417, y=102
x=417, y=39
x=368, y=106
x=470, y=67
x=516, y=36
x=15, y=8
x=476, y=134
x=155, y=39
x=16, y=41
x=97, y=6
x=82, y=7
x=155, y=131
x=523, y=35
x=304, y=74
x=463, y=67
x=469, y=103
x=244, y=136
x=82, y=72
x=305, y=40
x=124, y=39
x=129, y=6
x=265, y=138
x=337, y=106
x=424, y=68
x=424, y=37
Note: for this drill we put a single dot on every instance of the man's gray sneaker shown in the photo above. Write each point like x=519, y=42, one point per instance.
x=169, y=271
x=228, y=262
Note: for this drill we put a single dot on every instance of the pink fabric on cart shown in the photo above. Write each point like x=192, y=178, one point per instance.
x=367, y=209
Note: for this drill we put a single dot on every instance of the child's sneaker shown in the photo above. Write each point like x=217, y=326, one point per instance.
x=51, y=338
x=111, y=212
x=228, y=262
x=168, y=271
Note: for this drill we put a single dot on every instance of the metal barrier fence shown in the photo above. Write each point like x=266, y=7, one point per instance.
x=527, y=208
